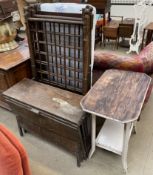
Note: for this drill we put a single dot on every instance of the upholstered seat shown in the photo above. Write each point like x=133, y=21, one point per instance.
x=13, y=157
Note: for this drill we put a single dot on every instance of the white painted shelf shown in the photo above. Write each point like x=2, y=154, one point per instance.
x=111, y=137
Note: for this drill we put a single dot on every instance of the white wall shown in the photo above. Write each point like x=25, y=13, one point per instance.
x=122, y=10
x=128, y=11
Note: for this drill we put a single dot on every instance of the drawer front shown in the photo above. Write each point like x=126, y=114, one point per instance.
x=33, y=116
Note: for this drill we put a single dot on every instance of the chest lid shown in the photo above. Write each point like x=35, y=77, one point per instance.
x=63, y=104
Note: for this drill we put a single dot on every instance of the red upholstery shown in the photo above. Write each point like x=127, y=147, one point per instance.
x=13, y=157
x=10, y=160
x=140, y=63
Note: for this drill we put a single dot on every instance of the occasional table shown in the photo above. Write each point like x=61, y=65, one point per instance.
x=118, y=96
x=14, y=66
x=110, y=31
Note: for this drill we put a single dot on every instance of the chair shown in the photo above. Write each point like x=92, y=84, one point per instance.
x=13, y=157
x=61, y=43
x=110, y=30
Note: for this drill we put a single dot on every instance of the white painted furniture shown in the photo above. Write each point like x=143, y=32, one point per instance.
x=118, y=96
x=141, y=9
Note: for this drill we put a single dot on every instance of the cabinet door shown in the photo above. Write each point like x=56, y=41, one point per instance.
x=3, y=82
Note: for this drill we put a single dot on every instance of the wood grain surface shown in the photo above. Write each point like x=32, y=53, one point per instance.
x=47, y=98
x=14, y=57
x=117, y=95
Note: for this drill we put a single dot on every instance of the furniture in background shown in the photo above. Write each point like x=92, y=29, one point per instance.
x=110, y=31
x=14, y=66
x=13, y=157
x=125, y=30
x=112, y=98
x=148, y=33
x=60, y=49
x=102, y=7
x=98, y=33
x=139, y=63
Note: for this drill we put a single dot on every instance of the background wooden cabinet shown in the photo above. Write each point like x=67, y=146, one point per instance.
x=14, y=66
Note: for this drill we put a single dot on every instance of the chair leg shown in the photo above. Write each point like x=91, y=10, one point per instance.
x=117, y=42
x=104, y=41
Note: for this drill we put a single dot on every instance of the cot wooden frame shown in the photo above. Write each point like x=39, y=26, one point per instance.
x=34, y=16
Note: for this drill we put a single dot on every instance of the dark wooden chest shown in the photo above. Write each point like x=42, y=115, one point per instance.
x=51, y=113
x=14, y=66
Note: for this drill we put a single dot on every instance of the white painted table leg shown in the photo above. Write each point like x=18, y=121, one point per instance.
x=93, y=136
x=127, y=133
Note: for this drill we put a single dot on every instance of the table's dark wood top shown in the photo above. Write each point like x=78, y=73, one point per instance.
x=14, y=57
x=114, y=24
x=117, y=95
x=47, y=98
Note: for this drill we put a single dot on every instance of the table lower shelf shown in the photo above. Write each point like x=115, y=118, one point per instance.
x=111, y=137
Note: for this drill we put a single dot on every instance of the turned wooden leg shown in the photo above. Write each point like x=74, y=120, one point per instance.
x=104, y=41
